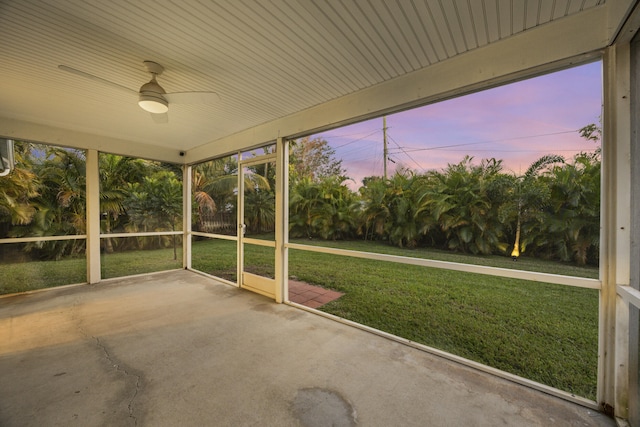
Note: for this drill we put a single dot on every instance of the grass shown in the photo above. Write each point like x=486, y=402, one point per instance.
x=544, y=332
x=28, y=276
x=215, y=257
x=139, y=262
x=523, y=263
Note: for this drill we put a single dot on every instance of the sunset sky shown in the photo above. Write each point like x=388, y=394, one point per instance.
x=517, y=123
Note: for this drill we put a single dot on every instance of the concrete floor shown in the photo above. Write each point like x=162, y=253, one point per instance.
x=179, y=349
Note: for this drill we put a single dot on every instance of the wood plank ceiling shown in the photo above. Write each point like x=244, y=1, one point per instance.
x=267, y=59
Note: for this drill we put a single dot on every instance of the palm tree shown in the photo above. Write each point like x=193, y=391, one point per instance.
x=155, y=204
x=573, y=225
x=464, y=200
x=64, y=173
x=59, y=208
x=401, y=225
x=530, y=196
x=215, y=187
x=334, y=217
x=325, y=209
x=259, y=211
x=374, y=209
x=17, y=190
x=116, y=172
x=203, y=200
x=304, y=196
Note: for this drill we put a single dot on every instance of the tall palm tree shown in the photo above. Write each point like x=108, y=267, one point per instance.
x=530, y=196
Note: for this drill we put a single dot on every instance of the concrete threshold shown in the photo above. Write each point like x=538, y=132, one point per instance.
x=178, y=348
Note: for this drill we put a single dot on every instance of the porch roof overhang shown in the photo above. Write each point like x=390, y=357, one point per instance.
x=280, y=68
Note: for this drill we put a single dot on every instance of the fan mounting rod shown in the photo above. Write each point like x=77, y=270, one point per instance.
x=154, y=68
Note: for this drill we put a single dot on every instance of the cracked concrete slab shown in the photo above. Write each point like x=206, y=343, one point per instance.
x=178, y=348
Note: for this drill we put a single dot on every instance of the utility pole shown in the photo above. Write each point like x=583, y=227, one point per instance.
x=385, y=151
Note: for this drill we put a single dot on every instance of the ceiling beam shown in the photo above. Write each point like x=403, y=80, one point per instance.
x=28, y=131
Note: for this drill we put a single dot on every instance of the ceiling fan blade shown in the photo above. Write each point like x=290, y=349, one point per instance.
x=192, y=98
x=160, y=118
x=95, y=78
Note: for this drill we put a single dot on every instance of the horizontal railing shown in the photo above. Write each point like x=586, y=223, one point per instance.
x=558, y=279
x=629, y=295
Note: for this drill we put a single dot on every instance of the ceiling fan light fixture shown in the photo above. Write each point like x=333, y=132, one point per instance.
x=153, y=103
x=151, y=96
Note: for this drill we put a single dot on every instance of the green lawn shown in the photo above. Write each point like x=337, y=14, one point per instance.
x=523, y=263
x=544, y=332
x=139, y=262
x=28, y=276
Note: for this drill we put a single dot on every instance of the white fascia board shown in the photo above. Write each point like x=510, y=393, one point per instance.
x=623, y=20
x=554, y=45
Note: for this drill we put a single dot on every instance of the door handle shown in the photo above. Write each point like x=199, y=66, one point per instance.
x=243, y=229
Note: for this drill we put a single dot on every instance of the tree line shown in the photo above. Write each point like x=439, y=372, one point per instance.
x=551, y=211
x=45, y=195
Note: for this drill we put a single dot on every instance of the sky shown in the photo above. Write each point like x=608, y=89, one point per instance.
x=518, y=123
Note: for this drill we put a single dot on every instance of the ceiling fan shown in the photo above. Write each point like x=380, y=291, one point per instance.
x=151, y=96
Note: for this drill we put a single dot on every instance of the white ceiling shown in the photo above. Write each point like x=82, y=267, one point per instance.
x=267, y=59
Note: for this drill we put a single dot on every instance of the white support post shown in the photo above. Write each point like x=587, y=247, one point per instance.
x=623, y=225
x=240, y=221
x=634, y=279
x=93, y=216
x=186, y=216
x=282, y=220
x=613, y=382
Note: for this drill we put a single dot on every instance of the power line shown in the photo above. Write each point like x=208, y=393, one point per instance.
x=341, y=136
x=406, y=154
x=407, y=149
x=356, y=140
x=353, y=150
x=523, y=151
